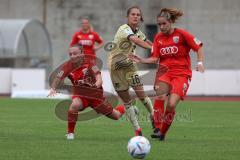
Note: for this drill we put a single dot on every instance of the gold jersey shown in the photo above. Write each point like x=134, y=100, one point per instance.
x=122, y=47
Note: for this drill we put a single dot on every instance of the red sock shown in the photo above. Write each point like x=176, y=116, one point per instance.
x=72, y=118
x=158, y=112
x=168, y=119
x=121, y=109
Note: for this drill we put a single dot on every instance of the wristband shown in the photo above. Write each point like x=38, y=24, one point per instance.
x=199, y=63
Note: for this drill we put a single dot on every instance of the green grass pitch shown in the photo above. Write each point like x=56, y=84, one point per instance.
x=30, y=130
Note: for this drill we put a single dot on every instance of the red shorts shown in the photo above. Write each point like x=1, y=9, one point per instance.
x=100, y=106
x=178, y=84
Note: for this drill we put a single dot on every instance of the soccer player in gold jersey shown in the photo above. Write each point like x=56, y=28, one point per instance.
x=123, y=71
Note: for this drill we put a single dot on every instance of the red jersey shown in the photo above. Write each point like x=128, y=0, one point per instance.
x=173, y=51
x=87, y=40
x=83, y=78
x=84, y=74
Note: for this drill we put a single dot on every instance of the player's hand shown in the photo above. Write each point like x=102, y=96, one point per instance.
x=200, y=67
x=135, y=58
x=96, y=48
x=52, y=92
x=98, y=84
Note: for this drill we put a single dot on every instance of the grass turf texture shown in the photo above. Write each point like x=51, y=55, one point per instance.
x=30, y=130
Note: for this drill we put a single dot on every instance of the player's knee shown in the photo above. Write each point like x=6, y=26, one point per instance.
x=161, y=92
x=75, y=106
x=162, y=97
x=171, y=106
x=114, y=116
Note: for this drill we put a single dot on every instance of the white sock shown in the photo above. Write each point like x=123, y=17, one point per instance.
x=148, y=104
x=131, y=115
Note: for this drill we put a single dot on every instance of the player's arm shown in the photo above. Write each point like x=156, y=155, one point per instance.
x=74, y=40
x=196, y=45
x=55, y=83
x=99, y=81
x=149, y=42
x=59, y=77
x=139, y=42
x=200, y=59
x=98, y=46
x=139, y=59
x=152, y=59
x=99, y=41
x=96, y=71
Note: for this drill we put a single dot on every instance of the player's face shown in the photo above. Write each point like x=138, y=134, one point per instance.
x=134, y=17
x=75, y=54
x=164, y=25
x=85, y=24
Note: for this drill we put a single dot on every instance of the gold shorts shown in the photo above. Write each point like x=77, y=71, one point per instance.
x=125, y=77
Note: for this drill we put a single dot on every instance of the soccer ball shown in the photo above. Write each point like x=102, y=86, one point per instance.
x=138, y=147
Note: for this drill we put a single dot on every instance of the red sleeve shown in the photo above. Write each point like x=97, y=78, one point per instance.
x=155, y=48
x=65, y=69
x=97, y=38
x=193, y=42
x=74, y=39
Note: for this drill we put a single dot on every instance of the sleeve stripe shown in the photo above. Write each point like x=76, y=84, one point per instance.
x=129, y=36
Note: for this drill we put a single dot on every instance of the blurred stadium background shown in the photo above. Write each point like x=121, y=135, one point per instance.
x=37, y=33
x=34, y=39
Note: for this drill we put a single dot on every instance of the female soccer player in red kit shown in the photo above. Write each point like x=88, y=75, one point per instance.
x=87, y=38
x=171, y=48
x=87, y=89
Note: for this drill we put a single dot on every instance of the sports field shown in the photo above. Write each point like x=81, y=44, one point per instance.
x=30, y=130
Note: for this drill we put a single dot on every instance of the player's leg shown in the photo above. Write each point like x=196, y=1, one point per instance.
x=162, y=89
x=103, y=107
x=134, y=81
x=75, y=106
x=120, y=82
x=146, y=101
x=131, y=111
x=117, y=112
x=169, y=114
x=178, y=92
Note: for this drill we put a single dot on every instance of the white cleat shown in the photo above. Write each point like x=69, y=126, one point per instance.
x=70, y=136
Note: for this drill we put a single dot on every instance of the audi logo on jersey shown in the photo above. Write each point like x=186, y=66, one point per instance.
x=85, y=42
x=169, y=50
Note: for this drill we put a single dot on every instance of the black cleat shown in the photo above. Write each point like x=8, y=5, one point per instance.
x=156, y=133
x=162, y=137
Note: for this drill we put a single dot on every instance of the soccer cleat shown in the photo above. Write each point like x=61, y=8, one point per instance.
x=70, y=136
x=156, y=133
x=138, y=132
x=162, y=137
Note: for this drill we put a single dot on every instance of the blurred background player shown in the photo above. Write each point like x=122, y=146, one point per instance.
x=88, y=38
x=171, y=47
x=86, y=91
x=123, y=71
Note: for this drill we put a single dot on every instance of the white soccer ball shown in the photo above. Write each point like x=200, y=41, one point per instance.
x=138, y=147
